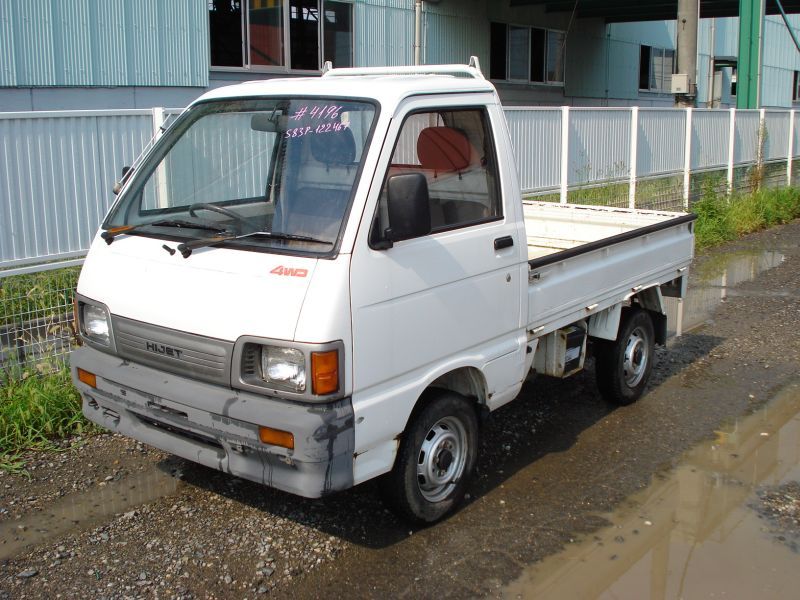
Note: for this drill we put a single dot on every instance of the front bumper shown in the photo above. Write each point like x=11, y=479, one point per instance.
x=218, y=427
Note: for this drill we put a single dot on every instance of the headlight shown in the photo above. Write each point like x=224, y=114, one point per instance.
x=284, y=368
x=304, y=371
x=95, y=324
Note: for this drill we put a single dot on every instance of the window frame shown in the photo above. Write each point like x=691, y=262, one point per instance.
x=376, y=237
x=664, y=78
x=528, y=80
x=248, y=67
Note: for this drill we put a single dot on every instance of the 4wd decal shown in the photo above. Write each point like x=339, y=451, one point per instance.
x=281, y=270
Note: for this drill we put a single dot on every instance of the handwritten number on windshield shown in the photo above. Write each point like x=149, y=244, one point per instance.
x=327, y=111
x=321, y=128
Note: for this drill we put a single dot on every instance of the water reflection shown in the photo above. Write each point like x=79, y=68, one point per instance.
x=712, y=283
x=83, y=510
x=690, y=533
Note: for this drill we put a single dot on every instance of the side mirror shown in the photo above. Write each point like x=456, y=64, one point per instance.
x=409, y=207
x=118, y=185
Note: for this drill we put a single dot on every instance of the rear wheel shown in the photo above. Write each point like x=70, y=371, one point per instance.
x=622, y=367
x=435, y=460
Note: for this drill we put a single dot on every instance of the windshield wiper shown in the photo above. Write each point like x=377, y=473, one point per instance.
x=186, y=248
x=109, y=234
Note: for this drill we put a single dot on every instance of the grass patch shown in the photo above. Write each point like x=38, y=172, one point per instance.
x=36, y=410
x=36, y=294
x=721, y=219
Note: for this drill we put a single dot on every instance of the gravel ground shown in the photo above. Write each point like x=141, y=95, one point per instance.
x=780, y=506
x=549, y=464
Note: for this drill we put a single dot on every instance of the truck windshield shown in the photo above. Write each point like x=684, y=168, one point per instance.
x=281, y=166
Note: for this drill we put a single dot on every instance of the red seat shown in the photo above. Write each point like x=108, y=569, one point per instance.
x=443, y=149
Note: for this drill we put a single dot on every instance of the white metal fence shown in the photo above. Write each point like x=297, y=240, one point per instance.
x=57, y=170
x=651, y=157
x=56, y=174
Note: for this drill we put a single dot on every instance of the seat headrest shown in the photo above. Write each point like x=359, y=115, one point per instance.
x=334, y=147
x=443, y=149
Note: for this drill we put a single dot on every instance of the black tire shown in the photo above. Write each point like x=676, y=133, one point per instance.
x=435, y=460
x=622, y=367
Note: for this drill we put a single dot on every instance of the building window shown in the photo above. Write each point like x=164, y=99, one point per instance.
x=796, y=87
x=300, y=34
x=528, y=54
x=656, y=66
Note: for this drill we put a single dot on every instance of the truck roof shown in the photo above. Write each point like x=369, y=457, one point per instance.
x=387, y=85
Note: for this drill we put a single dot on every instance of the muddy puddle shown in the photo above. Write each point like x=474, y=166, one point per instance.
x=694, y=532
x=77, y=512
x=713, y=284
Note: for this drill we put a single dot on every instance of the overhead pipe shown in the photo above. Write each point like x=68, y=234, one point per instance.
x=417, y=31
x=711, y=52
x=788, y=26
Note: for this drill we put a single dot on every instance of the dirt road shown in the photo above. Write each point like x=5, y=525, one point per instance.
x=114, y=519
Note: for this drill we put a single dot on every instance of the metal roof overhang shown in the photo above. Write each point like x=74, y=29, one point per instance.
x=624, y=11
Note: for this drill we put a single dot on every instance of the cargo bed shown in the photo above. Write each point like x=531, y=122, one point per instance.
x=584, y=259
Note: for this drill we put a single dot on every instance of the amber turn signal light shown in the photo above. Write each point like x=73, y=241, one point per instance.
x=276, y=437
x=325, y=372
x=89, y=379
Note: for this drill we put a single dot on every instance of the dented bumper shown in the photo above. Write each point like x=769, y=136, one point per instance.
x=218, y=427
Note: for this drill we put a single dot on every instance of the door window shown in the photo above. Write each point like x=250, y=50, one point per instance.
x=453, y=149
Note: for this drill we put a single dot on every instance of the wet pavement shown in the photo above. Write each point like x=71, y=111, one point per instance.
x=560, y=474
x=695, y=532
x=715, y=281
x=83, y=511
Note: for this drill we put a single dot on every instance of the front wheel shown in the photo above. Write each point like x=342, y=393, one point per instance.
x=622, y=367
x=435, y=460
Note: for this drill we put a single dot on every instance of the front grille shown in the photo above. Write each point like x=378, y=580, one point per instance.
x=195, y=356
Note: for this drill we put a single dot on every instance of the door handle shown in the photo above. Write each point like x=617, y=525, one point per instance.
x=503, y=242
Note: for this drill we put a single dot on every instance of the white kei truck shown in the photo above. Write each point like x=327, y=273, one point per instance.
x=313, y=282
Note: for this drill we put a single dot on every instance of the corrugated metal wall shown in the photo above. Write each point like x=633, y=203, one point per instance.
x=599, y=144
x=57, y=169
x=661, y=146
x=108, y=43
x=56, y=174
x=746, y=136
x=536, y=137
x=456, y=31
x=384, y=33
x=710, y=137
x=776, y=134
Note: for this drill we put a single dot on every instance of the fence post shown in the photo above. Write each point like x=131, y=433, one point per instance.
x=632, y=161
x=760, y=151
x=158, y=121
x=564, y=153
x=687, y=159
x=731, y=140
x=790, y=151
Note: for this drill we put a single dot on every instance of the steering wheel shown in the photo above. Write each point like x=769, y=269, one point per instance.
x=217, y=209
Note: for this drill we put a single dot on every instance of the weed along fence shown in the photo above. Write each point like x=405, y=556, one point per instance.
x=57, y=170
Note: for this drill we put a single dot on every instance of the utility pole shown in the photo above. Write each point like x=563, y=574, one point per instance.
x=688, y=18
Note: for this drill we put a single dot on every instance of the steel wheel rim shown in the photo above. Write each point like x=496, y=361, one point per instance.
x=636, y=358
x=441, y=459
